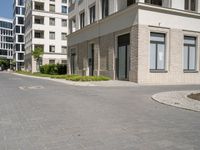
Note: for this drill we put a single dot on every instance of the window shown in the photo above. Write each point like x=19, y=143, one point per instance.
x=64, y=49
x=52, y=8
x=154, y=2
x=21, y=2
x=17, y=29
x=39, y=20
x=130, y=2
x=157, y=51
x=20, y=20
x=189, y=53
x=20, y=38
x=190, y=5
x=51, y=61
x=39, y=6
x=52, y=21
x=52, y=49
x=52, y=35
x=64, y=9
x=64, y=1
x=64, y=36
x=64, y=62
x=92, y=14
x=20, y=56
x=82, y=20
x=64, y=22
x=105, y=8
x=39, y=34
x=17, y=10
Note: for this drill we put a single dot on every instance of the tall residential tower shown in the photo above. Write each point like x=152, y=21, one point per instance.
x=46, y=27
x=6, y=38
x=18, y=31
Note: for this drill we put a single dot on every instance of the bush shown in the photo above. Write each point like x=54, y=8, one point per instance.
x=86, y=78
x=53, y=69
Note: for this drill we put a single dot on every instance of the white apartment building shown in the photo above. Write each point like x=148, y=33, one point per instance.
x=46, y=27
x=6, y=38
x=144, y=41
x=18, y=32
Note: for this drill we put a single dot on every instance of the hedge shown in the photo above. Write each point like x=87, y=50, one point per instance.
x=53, y=69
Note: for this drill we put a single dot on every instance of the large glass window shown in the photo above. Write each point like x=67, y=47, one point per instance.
x=189, y=53
x=157, y=51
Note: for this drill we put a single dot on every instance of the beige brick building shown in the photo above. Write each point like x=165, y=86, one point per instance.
x=148, y=42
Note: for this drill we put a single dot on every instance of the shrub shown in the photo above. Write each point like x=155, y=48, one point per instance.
x=86, y=78
x=53, y=69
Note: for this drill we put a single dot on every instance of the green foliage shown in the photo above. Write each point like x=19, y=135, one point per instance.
x=37, y=53
x=4, y=63
x=53, y=69
x=68, y=77
x=87, y=78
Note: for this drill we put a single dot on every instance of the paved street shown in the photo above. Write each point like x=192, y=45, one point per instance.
x=37, y=114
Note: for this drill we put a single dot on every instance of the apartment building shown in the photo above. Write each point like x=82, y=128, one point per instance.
x=143, y=41
x=46, y=27
x=6, y=38
x=18, y=33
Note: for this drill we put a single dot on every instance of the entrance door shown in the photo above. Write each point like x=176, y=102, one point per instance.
x=123, y=57
x=73, y=63
x=91, y=60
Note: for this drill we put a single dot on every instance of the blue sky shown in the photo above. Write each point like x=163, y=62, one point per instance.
x=6, y=8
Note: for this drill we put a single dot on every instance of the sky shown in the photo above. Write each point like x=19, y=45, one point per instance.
x=6, y=8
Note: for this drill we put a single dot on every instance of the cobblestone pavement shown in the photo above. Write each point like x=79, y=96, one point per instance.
x=38, y=114
x=178, y=99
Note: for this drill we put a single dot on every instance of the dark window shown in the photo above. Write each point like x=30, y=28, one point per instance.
x=130, y=2
x=82, y=20
x=190, y=5
x=92, y=14
x=154, y=2
x=20, y=20
x=20, y=38
x=105, y=8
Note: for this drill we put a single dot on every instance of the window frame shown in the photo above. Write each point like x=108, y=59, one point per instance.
x=188, y=52
x=156, y=57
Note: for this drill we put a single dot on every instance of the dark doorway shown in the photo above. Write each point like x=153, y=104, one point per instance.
x=123, y=57
x=91, y=60
x=73, y=55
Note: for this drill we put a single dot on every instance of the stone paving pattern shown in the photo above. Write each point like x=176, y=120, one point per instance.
x=178, y=99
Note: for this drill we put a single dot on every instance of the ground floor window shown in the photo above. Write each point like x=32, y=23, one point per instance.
x=189, y=53
x=157, y=51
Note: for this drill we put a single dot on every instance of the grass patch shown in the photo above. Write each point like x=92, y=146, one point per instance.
x=68, y=77
x=87, y=78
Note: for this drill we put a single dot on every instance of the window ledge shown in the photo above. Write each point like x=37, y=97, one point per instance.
x=190, y=71
x=158, y=71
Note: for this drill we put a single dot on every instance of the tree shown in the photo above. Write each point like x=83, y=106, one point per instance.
x=37, y=55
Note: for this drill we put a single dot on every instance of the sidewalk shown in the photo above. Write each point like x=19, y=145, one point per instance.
x=111, y=83
x=178, y=99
